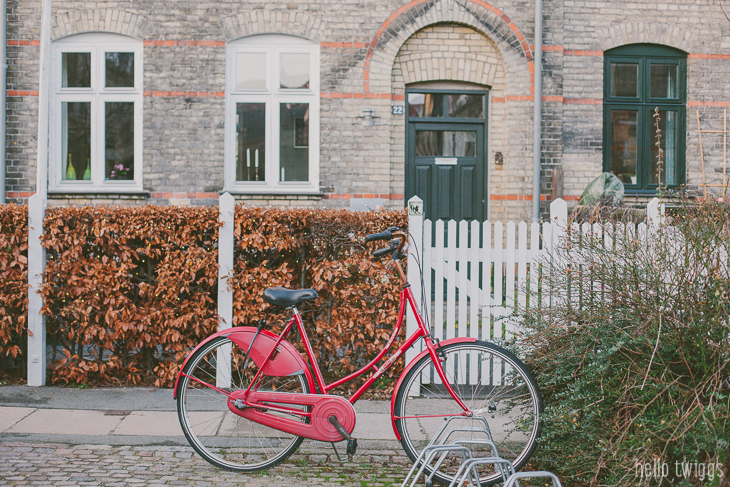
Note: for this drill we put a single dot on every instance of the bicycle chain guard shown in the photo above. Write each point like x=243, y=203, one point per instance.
x=282, y=411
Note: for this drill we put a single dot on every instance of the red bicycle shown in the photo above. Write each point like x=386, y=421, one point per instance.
x=246, y=398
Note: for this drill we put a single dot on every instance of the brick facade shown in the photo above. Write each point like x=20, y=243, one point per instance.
x=370, y=52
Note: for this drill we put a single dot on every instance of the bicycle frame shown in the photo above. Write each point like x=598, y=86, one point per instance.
x=406, y=297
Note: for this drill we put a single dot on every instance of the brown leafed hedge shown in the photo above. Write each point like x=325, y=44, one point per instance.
x=129, y=291
x=13, y=288
x=358, y=297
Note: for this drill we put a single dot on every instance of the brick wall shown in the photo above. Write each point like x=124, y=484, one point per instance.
x=369, y=52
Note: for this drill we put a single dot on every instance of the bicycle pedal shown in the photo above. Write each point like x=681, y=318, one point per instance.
x=351, y=447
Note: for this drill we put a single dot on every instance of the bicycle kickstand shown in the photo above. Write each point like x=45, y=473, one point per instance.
x=351, y=442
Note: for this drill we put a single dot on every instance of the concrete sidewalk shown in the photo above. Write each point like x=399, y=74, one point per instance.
x=127, y=437
x=133, y=416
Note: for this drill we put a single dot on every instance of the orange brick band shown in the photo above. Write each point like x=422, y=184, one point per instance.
x=583, y=101
x=570, y=52
x=19, y=194
x=722, y=104
x=21, y=93
x=516, y=197
x=23, y=42
x=363, y=45
x=724, y=57
x=347, y=196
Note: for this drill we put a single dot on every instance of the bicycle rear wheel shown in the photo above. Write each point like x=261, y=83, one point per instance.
x=494, y=384
x=221, y=437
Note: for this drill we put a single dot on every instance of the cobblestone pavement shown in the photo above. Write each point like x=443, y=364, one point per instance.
x=57, y=464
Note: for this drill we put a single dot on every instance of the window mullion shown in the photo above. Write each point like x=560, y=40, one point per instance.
x=98, y=133
x=274, y=141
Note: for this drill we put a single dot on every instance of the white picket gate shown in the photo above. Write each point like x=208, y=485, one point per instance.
x=476, y=274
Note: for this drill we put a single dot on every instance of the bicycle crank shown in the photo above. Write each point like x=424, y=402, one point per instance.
x=331, y=418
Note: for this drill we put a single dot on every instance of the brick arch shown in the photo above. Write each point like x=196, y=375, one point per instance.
x=416, y=62
x=645, y=32
x=408, y=19
x=289, y=22
x=98, y=20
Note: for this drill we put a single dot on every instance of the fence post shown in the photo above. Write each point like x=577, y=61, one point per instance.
x=415, y=227
x=36, y=266
x=226, y=207
x=559, y=220
x=559, y=227
x=653, y=214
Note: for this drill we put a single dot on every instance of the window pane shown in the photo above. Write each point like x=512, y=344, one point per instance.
x=668, y=123
x=119, y=69
x=76, y=140
x=466, y=106
x=251, y=71
x=663, y=81
x=442, y=143
x=250, y=141
x=425, y=105
x=76, y=69
x=294, y=71
x=623, y=145
x=294, y=142
x=625, y=80
x=119, y=140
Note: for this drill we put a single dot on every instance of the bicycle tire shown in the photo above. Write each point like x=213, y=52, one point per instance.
x=500, y=378
x=220, y=436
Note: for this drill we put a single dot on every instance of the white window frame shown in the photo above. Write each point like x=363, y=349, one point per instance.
x=96, y=44
x=273, y=45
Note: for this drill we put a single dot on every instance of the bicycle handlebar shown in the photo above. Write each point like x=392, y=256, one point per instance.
x=396, y=246
x=387, y=250
x=386, y=235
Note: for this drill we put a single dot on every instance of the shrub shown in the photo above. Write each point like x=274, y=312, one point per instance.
x=129, y=291
x=634, y=361
x=13, y=289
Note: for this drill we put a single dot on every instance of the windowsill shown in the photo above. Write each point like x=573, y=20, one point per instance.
x=643, y=193
x=234, y=192
x=79, y=194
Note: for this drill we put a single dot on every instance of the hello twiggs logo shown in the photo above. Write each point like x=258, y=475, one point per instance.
x=659, y=470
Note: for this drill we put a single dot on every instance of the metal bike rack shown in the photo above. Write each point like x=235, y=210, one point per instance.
x=470, y=465
x=441, y=446
x=512, y=481
x=427, y=456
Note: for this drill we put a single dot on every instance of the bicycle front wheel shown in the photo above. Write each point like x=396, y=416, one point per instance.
x=218, y=435
x=495, y=386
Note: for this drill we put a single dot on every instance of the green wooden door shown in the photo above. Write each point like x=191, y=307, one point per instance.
x=445, y=156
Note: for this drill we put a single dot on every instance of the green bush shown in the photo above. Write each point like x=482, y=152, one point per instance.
x=633, y=358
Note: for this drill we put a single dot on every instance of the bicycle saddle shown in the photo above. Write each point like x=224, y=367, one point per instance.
x=279, y=296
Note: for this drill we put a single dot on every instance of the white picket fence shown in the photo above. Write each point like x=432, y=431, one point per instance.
x=476, y=274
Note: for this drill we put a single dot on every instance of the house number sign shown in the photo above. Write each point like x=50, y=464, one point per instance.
x=397, y=109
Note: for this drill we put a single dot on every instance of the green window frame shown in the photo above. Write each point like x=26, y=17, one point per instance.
x=638, y=78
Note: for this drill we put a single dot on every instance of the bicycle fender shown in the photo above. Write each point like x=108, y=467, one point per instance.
x=408, y=368
x=287, y=361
